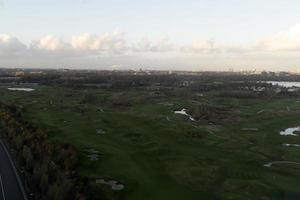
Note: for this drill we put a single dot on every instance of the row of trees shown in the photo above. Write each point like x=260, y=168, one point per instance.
x=49, y=167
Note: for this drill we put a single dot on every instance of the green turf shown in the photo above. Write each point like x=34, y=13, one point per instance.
x=159, y=155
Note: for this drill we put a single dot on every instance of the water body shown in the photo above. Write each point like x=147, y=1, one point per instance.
x=285, y=84
x=21, y=89
x=290, y=131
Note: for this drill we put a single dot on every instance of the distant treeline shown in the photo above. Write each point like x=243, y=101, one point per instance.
x=49, y=167
x=129, y=79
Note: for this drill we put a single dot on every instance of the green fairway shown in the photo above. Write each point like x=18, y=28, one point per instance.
x=159, y=155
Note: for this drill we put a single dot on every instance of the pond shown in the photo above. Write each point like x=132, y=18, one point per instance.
x=285, y=84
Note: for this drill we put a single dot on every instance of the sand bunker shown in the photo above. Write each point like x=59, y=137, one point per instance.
x=290, y=131
x=115, y=185
x=21, y=89
x=291, y=145
x=100, y=131
x=183, y=112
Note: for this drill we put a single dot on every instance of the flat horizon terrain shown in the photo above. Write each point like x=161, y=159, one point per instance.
x=134, y=137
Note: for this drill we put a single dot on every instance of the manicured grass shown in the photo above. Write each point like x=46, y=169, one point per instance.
x=159, y=155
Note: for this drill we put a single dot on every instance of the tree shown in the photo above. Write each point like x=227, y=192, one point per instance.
x=27, y=155
x=44, y=183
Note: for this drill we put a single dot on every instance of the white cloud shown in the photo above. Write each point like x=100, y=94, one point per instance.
x=9, y=44
x=113, y=49
x=162, y=45
x=84, y=43
x=50, y=43
x=114, y=41
x=205, y=46
x=283, y=41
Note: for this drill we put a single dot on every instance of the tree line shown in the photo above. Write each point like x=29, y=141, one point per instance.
x=49, y=167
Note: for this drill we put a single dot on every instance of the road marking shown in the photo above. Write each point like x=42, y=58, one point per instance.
x=1, y=183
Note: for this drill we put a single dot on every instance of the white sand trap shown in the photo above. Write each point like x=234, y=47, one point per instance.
x=183, y=112
x=290, y=131
x=100, y=131
x=291, y=145
x=21, y=89
x=115, y=185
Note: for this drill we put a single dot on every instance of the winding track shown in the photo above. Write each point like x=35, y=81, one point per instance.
x=10, y=187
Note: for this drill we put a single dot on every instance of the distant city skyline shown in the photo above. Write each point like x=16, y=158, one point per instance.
x=161, y=35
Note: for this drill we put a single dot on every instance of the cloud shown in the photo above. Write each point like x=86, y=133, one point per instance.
x=283, y=41
x=214, y=47
x=205, y=46
x=50, y=43
x=113, y=49
x=9, y=44
x=84, y=43
x=115, y=43
x=162, y=45
x=111, y=42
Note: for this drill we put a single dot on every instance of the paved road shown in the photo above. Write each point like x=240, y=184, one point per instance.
x=9, y=186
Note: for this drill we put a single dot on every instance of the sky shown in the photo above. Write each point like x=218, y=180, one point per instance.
x=151, y=34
